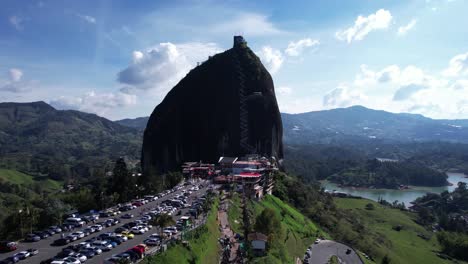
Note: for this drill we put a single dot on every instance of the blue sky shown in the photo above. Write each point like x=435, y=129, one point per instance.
x=119, y=58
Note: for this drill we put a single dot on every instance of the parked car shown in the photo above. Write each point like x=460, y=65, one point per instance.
x=32, y=238
x=122, y=237
x=103, y=245
x=72, y=260
x=97, y=227
x=7, y=246
x=42, y=235
x=74, y=221
x=50, y=232
x=127, y=216
x=33, y=251
x=57, y=229
x=88, y=252
x=78, y=234
x=22, y=254
x=138, y=230
x=128, y=234
x=104, y=236
x=97, y=250
x=82, y=258
x=13, y=259
x=151, y=242
x=71, y=237
x=61, y=241
x=120, y=229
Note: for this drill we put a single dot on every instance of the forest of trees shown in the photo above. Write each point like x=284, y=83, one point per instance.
x=33, y=208
x=449, y=211
x=378, y=174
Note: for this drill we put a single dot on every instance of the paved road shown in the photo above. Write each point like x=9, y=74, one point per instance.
x=324, y=250
x=46, y=250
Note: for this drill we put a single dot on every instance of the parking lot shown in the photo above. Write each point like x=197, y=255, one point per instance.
x=47, y=250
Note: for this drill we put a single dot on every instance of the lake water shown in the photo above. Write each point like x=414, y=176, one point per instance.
x=406, y=196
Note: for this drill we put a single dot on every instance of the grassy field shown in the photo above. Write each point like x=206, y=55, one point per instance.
x=405, y=245
x=19, y=178
x=298, y=231
x=203, y=245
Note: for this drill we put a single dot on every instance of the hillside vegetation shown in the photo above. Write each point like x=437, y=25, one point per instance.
x=297, y=232
x=391, y=175
x=36, y=138
x=405, y=246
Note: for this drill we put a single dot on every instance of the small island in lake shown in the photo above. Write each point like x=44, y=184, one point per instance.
x=376, y=173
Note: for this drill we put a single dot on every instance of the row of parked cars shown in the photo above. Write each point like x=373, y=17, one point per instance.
x=81, y=252
x=20, y=256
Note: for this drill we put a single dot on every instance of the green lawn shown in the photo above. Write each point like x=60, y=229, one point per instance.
x=19, y=178
x=405, y=246
x=203, y=245
x=298, y=231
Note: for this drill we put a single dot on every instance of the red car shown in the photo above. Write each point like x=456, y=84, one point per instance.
x=137, y=204
x=139, y=250
x=8, y=246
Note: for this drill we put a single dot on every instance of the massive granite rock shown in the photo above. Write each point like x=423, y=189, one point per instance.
x=224, y=107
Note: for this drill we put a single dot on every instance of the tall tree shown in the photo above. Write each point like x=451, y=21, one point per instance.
x=122, y=181
x=268, y=222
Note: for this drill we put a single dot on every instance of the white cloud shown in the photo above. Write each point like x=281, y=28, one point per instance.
x=364, y=25
x=248, y=24
x=460, y=85
x=404, y=29
x=405, y=89
x=98, y=103
x=271, y=58
x=405, y=92
x=15, y=84
x=15, y=74
x=87, y=18
x=458, y=65
x=16, y=22
x=159, y=68
x=343, y=96
x=296, y=48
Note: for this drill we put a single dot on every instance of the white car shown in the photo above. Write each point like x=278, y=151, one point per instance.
x=167, y=232
x=72, y=260
x=97, y=227
x=103, y=245
x=84, y=245
x=124, y=238
x=97, y=250
x=78, y=234
x=22, y=255
x=154, y=236
x=82, y=258
x=151, y=242
x=138, y=230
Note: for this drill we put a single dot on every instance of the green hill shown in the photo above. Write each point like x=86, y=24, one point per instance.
x=37, y=138
x=404, y=246
x=19, y=178
x=298, y=232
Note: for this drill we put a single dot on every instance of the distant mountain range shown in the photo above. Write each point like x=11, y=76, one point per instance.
x=35, y=137
x=358, y=123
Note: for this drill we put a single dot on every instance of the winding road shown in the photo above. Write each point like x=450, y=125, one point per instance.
x=325, y=249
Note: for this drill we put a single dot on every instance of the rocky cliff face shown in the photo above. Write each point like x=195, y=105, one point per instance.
x=226, y=106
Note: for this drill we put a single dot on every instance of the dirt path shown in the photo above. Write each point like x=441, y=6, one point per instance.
x=229, y=244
